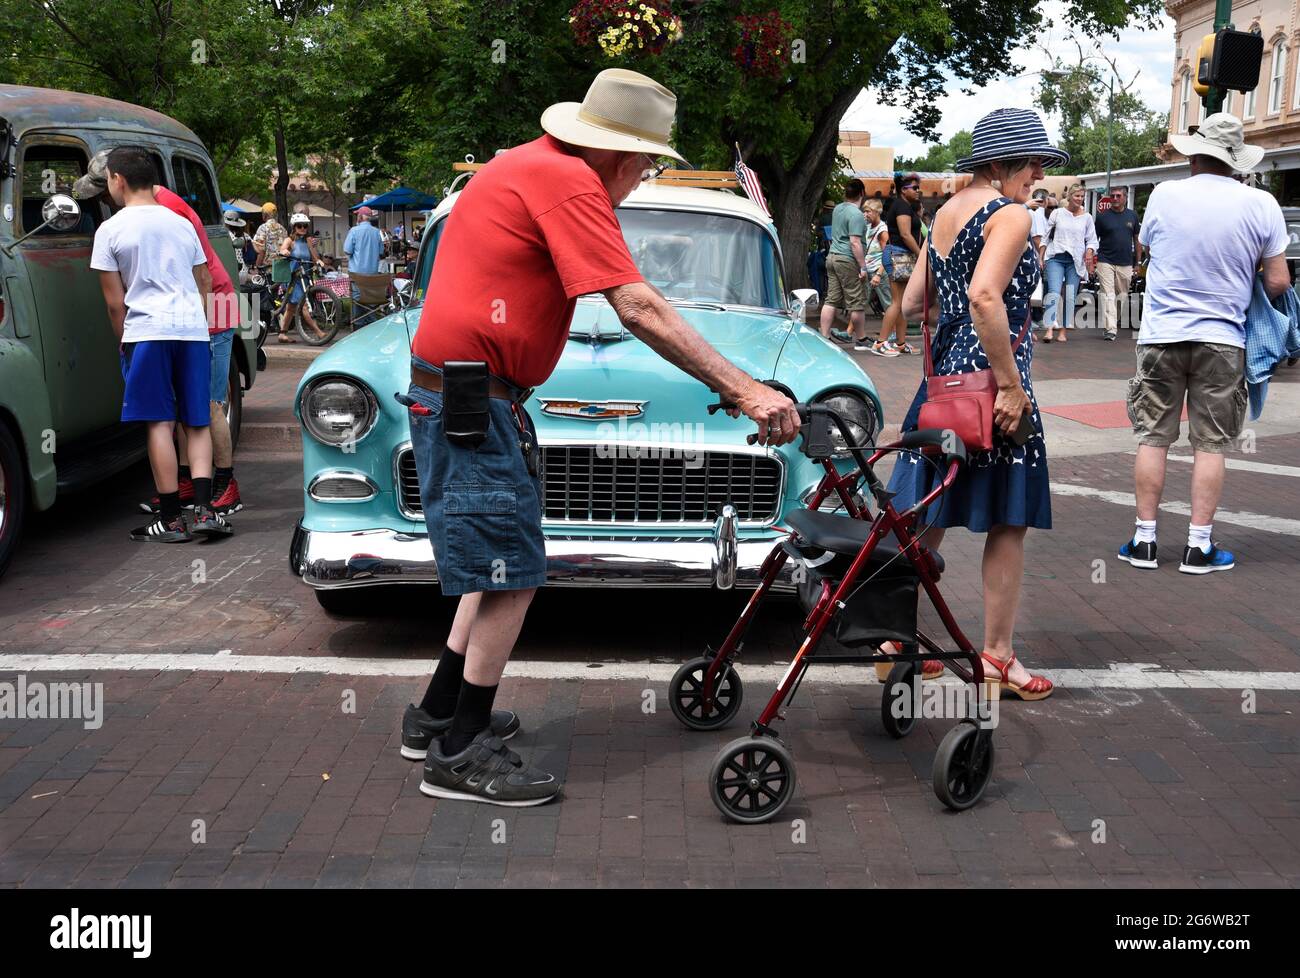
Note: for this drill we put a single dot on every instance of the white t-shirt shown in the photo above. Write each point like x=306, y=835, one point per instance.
x=155, y=252
x=1038, y=225
x=1202, y=272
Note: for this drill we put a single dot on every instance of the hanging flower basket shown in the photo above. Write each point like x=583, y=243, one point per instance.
x=625, y=27
x=764, y=48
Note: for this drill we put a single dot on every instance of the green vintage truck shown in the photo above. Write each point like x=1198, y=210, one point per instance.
x=60, y=376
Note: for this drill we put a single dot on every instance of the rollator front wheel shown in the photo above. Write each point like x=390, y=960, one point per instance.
x=897, y=713
x=752, y=779
x=963, y=766
x=686, y=695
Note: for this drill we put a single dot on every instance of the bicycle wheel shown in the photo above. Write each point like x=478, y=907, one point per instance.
x=325, y=310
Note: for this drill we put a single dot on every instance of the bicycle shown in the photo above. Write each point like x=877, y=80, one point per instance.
x=325, y=306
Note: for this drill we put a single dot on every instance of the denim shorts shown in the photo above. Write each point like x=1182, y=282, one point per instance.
x=219, y=369
x=482, y=508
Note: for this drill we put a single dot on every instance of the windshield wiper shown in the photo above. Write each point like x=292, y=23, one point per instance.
x=697, y=304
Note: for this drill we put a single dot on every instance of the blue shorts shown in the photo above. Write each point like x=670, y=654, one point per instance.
x=166, y=380
x=482, y=508
x=220, y=344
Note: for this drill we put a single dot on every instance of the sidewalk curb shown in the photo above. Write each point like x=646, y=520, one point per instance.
x=277, y=436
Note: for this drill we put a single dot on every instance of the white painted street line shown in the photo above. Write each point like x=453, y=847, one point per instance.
x=1130, y=675
x=1256, y=521
x=1245, y=466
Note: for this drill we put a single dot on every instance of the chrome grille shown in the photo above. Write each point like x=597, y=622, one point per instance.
x=580, y=485
x=408, y=494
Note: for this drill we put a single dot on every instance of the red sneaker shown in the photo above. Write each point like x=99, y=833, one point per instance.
x=186, y=488
x=228, y=501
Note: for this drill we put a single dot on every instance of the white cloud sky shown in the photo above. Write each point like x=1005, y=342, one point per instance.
x=1149, y=54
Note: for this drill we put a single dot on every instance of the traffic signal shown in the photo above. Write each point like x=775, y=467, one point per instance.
x=1228, y=60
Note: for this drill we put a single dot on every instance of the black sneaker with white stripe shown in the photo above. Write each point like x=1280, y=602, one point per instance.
x=209, y=524
x=419, y=729
x=162, y=531
x=487, y=771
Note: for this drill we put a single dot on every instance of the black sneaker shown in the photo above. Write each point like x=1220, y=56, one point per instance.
x=487, y=771
x=162, y=531
x=1198, y=561
x=1139, y=554
x=209, y=524
x=419, y=729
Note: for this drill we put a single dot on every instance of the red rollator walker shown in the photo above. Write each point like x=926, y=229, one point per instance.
x=862, y=588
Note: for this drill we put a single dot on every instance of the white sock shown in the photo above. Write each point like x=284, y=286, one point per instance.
x=1145, y=532
x=1199, y=537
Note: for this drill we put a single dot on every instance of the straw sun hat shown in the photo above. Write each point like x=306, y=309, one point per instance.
x=623, y=110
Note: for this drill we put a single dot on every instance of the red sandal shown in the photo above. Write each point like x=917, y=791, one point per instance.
x=1038, y=687
x=930, y=668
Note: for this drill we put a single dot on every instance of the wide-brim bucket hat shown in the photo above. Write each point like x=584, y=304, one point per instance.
x=623, y=110
x=1008, y=134
x=1221, y=136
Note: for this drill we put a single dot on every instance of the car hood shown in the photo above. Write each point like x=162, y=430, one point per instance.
x=603, y=362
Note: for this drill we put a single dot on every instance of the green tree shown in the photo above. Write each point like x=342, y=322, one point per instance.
x=1079, y=92
x=940, y=157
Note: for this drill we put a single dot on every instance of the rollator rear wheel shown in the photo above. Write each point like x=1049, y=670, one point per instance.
x=897, y=714
x=686, y=695
x=963, y=766
x=752, y=779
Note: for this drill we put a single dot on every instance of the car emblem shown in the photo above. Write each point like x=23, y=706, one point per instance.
x=591, y=410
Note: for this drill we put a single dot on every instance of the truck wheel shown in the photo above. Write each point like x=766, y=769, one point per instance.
x=234, y=403
x=13, y=496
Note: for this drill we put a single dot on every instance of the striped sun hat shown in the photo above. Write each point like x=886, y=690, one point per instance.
x=1005, y=134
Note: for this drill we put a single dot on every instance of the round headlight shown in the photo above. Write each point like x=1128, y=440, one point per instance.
x=338, y=411
x=859, y=417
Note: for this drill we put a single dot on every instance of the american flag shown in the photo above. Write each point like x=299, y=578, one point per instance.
x=749, y=183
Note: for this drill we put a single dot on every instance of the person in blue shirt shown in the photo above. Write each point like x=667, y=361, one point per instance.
x=363, y=246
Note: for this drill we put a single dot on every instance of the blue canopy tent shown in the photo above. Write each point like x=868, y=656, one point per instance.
x=400, y=199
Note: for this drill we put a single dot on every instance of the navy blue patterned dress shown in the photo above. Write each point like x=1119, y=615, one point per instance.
x=1008, y=484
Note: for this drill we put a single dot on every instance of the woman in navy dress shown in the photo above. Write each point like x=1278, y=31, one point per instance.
x=982, y=271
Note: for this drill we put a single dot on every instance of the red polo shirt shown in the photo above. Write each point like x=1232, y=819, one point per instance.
x=225, y=304
x=533, y=230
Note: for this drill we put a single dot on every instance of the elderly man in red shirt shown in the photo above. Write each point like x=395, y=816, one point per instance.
x=533, y=230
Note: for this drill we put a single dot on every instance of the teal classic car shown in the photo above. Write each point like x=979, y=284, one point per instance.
x=642, y=485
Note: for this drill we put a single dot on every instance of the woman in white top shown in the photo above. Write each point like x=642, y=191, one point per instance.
x=1071, y=248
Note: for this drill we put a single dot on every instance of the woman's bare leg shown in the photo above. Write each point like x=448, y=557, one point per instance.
x=1003, y=570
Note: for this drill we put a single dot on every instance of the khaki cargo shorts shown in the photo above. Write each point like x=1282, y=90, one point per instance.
x=1212, y=377
x=844, y=290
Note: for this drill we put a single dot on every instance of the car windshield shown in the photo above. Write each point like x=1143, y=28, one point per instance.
x=1293, y=230
x=687, y=255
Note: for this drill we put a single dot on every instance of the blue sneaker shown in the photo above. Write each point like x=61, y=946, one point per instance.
x=1139, y=554
x=840, y=336
x=1197, y=561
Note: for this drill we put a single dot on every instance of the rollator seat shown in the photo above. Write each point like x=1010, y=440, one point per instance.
x=842, y=534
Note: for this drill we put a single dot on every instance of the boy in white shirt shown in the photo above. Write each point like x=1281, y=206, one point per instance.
x=147, y=259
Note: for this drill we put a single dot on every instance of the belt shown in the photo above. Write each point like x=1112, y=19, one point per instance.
x=497, y=387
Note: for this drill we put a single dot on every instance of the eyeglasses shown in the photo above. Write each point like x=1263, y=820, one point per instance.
x=911, y=186
x=654, y=170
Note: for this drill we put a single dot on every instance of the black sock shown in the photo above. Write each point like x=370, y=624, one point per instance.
x=183, y=472
x=220, y=480
x=169, y=505
x=444, y=688
x=203, y=493
x=473, y=714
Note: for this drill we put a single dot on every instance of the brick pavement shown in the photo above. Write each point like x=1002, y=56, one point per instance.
x=1183, y=789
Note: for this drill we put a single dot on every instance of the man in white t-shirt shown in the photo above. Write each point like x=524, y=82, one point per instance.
x=149, y=262
x=1193, y=337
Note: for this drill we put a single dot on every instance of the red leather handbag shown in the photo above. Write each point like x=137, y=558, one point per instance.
x=960, y=403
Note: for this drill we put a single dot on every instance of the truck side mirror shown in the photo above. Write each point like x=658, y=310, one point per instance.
x=60, y=212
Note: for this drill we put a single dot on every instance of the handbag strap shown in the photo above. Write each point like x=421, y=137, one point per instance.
x=925, y=325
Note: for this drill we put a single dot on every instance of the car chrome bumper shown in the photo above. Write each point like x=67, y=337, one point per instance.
x=383, y=556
